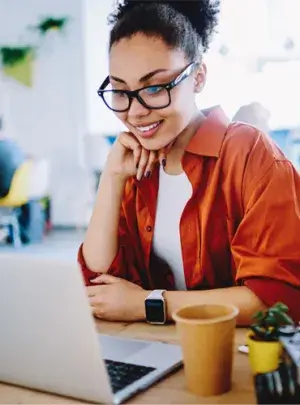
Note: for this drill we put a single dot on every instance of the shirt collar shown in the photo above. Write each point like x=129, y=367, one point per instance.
x=208, y=140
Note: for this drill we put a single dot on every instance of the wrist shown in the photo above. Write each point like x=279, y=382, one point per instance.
x=114, y=176
x=173, y=303
x=141, y=310
x=156, y=307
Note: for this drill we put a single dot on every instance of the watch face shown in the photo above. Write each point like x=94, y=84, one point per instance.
x=155, y=311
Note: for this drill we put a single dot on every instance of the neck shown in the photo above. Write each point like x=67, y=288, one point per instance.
x=187, y=134
x=177, y=149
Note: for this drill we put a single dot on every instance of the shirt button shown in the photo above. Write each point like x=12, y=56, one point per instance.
x=149, y=228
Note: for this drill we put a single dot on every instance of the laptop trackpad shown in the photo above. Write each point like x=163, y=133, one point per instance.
x=119, y=349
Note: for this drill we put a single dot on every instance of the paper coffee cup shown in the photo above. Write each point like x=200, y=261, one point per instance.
x=206, y=334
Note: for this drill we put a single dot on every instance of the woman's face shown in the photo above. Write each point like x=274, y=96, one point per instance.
x=142, y=61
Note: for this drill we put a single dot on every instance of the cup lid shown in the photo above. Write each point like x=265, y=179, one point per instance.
x=205, y=313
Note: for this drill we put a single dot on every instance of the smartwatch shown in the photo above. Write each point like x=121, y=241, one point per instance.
x=155, y=305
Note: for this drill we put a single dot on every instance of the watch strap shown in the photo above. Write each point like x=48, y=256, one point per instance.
x=156, y=295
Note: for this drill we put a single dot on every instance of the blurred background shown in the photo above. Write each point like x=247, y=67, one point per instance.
x=53, y=57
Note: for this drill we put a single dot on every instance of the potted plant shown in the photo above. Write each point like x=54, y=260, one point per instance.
x=265, y=349
x=13, y=55
x=51, y=24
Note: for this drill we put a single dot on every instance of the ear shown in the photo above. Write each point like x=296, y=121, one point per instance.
x=200, y=78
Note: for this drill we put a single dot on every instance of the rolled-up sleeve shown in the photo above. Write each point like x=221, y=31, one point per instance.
x=271, y=291
x=120, y=267
x=127, y=264
x=266, y=245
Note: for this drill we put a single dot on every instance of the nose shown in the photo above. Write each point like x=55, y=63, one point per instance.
x=137, y=109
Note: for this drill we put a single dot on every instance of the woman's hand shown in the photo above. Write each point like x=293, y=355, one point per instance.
x=116, y=299
x=128, y=158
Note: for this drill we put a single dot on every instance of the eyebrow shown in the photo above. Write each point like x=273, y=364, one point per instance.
x=143, y=79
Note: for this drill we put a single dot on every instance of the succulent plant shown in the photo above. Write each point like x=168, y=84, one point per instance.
x=267, y=323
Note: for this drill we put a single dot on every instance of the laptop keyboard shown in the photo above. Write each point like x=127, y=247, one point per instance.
x=123, y=374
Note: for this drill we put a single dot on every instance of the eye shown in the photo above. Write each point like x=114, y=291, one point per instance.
x=119, y=94
x=153, y=90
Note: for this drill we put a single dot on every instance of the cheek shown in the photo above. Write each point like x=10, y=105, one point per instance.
x=183, y=98
x=121, y=116
x=182, y=102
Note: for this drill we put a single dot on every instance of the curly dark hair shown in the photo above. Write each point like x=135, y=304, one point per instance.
x=187, y=25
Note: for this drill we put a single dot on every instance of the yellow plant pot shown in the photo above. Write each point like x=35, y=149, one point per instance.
x=264, y=356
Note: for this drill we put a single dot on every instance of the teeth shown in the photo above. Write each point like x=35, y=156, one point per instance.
x=149, y=127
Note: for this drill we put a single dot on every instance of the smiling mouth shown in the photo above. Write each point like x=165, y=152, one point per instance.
x=146, y=128
x=149, y=129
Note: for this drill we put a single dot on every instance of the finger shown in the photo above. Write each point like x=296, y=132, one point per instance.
x=169, y=147
x=137, y=152
x=142, y=164
x=162, y=154
x=91, y=291
x=128, y=140
x=151, y=160
x=96, y=308
x=93, y=311
x=96, y=280
x=96, y=312
x=106, y=279
x=95, y=301
x=162, y=157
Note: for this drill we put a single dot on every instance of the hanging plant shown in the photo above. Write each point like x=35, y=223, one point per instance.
x=51, y=23
x=12, y=55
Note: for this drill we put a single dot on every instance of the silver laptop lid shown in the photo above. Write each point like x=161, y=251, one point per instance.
x=47, y=339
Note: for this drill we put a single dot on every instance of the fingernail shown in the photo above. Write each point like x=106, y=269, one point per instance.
x=164, y=162
x=96, y=279
x=147, y=175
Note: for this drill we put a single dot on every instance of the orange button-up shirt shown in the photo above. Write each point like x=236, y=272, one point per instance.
x=240, y=227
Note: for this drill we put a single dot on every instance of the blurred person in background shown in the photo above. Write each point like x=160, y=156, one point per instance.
x=11, y=158
x=254, y=114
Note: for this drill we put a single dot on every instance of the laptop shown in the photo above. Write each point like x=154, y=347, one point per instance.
x=49, y=341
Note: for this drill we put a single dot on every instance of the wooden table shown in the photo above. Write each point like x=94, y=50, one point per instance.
x=169, y=391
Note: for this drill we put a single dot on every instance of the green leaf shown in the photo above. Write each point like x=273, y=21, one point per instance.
x=259, y=316
x=11, y=55
x=281, y=307
x=51, y=23
x=258, y=331
x=271, y=320
x=282, y=317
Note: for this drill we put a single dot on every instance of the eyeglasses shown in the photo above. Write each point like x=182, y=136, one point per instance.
x=153, y=97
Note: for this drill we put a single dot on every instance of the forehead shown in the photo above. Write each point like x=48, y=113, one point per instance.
x=132, y=58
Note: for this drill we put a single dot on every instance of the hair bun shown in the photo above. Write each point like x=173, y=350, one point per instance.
x=202, y=14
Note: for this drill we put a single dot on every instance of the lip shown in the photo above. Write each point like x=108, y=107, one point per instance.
x=151, y=132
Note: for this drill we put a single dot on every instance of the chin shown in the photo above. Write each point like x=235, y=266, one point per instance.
x=154, y=144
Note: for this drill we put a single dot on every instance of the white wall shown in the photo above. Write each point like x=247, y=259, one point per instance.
x=99, y=119
x=50, y=119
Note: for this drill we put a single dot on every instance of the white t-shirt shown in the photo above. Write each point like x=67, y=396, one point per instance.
x=173, y=194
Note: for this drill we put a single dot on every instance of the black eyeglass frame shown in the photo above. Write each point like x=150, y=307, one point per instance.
x=135, y=93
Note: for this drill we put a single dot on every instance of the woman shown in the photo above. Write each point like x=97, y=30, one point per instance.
x=187, y=203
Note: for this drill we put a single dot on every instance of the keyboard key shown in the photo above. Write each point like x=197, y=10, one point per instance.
x=123, y=374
